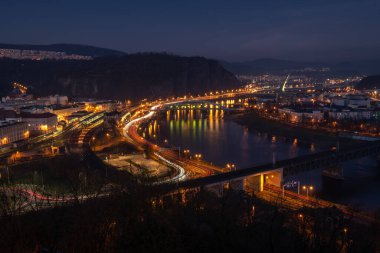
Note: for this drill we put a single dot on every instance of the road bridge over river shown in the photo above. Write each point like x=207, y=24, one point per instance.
x=257, y=176
x=254, y=177
x=198, y=105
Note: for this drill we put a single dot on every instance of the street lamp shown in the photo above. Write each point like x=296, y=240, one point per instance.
x=307, y=188
x=231, y=166
x=186, y=152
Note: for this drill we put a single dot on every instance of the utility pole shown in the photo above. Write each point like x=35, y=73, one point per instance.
x=298, y=187
x=9, y=182
x=42, y=179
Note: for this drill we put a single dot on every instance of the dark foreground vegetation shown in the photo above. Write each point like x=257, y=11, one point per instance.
x=137, y=220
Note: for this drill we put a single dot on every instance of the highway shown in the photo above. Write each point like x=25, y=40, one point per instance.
x=197, y=173
x=186, y=167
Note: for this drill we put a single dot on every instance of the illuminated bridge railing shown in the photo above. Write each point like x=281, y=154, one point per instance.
x=196, y=104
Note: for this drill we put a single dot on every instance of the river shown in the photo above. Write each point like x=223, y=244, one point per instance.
x=222, y=141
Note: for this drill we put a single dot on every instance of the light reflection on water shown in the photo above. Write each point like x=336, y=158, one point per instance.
x=223, y=141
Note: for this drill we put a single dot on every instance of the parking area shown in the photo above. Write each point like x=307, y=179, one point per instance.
x=137, y=164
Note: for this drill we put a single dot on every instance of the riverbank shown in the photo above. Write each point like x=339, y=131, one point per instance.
x=323, y=139
x=360, y=187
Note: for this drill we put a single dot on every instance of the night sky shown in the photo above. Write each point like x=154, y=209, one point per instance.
x=323, y=30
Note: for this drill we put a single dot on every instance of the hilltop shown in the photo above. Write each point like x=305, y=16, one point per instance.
x=279, y=66
x=77, y=49
x=369, y=82
x=132, y=76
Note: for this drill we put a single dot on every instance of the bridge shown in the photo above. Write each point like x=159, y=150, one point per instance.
x=196, y=105
x=256, y=177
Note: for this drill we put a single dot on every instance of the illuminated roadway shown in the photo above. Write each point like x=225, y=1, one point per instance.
x=186, y=168
x=202, y=174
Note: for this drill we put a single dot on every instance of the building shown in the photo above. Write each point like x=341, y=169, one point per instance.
x=353, y=101
x=351, y=114
x=357, y=101
x=58, y=100
x=12, y=131
x=63, y=112
x=40, y=122
x=301, y=115
x=106, y=105
x=36, y=109
x=9, y=115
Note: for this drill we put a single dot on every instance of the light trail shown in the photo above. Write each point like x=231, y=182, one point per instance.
x=181, y=171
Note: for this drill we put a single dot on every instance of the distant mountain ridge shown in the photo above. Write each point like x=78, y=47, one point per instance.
x=266, y=65
x=275, y=66
x=77, y=49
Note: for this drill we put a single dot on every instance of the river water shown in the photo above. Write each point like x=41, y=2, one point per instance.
x=223, y=141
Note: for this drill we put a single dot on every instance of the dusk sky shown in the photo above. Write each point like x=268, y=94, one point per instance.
x=324, y=30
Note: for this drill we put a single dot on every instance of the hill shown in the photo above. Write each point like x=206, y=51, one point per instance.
x=67, y=48
x=369, y=82
x=276, y=66
x=132, y=76
x=266, y=65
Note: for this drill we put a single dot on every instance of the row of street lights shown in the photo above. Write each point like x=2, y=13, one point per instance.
x=198, y=156
x=307, y=188
x=231, y=166
x=187, y=152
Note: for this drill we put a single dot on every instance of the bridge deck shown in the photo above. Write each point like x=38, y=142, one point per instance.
x=289, y=166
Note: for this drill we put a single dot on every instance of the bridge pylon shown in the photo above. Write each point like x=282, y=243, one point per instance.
x=256, y=182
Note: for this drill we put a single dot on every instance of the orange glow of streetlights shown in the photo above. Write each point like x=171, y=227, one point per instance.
x=307, y=188
x=231, y=166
